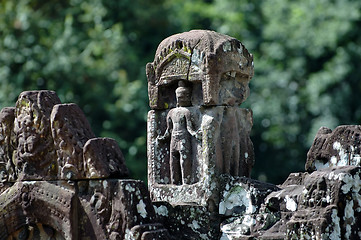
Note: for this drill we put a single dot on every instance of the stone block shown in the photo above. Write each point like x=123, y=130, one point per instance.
x=220, y=144
x=188, y=221
x=340, y=147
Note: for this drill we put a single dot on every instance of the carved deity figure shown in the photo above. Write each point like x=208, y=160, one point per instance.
x=180, y=130
x=35, y=154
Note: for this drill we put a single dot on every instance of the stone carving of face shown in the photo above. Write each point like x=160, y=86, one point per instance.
x=26, y=119
x=183, y=95
x=35, y=147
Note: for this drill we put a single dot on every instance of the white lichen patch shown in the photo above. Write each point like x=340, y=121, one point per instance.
x=238, y=227
x=129, y=188
x=327, y=199
x=237, y=197
x=161, y=210
x=203, y=236
x=349, y=218
x=357, y=198
x=248, y=221
x=346, y=157
x=197, y=57
x=337, y=176
x=333, y=161
x=348, y=180
x=195, y=225
x=337, y=146
x=304, y=191
x=333, y=231
x=319, y=164
x=351, y=183
x=291, y=204
x=357, y=183
x=213, y=185
x=141, y=209
x=227, y=47
x=129, y=235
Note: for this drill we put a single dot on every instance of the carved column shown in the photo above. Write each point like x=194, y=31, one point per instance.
x=196, y=130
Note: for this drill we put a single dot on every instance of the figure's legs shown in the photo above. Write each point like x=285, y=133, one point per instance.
x=175, y=168
x=186, y=161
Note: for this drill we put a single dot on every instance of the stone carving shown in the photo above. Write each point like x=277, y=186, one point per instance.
x=44, y=139
x=70, y=131
x=324, y=204
x=340, y=147
x=211, y=196
x=21, y=203
x=116, y=209
x=180, y=130
x=35, y=151
x=321, y=204
x=104, y=159
x=58, y=181
x=7, y=169
x=36, y=231
x=202, y=58
x=196, y=131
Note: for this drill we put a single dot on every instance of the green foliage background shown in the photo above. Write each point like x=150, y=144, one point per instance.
x=307, y=65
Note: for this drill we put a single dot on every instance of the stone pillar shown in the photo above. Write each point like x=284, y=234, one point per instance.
x=196, y=130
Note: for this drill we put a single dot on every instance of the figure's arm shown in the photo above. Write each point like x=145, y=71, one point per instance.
x=190, y=127
x=167, y=132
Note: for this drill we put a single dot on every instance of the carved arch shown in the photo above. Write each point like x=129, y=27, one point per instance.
x=37, y=202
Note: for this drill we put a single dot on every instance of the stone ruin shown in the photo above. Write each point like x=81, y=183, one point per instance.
x=59, y=181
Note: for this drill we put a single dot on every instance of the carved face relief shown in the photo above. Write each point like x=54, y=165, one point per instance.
x=183, y=95
x=28, y=119
x=35, y=154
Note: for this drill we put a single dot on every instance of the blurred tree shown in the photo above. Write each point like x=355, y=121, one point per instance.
x=94, y=53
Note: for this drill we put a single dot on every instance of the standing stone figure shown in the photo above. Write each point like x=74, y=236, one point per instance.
x=180, y=130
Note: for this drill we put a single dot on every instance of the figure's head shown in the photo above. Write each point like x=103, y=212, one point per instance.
x=183, y=95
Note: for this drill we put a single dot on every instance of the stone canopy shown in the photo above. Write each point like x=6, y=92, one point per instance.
x=197, y=56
